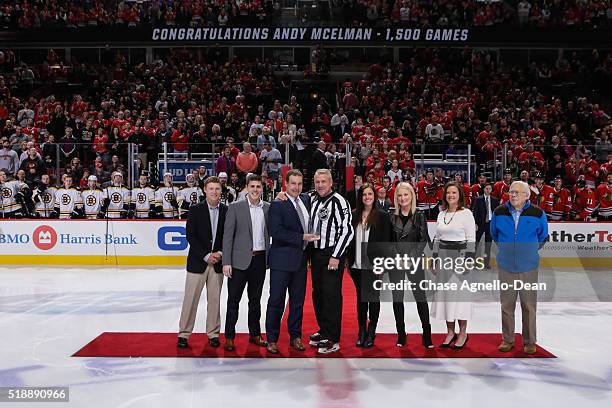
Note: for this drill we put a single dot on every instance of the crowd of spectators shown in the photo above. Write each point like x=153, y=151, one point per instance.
x=439, y=100
x=24, y=14
x=207, y=13
x=436, y=13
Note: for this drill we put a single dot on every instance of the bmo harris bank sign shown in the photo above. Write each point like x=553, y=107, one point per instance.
x=90, y=237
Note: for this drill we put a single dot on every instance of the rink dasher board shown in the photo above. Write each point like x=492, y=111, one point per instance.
x=163, y=242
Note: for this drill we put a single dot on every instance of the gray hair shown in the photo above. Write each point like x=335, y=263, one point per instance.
x=323, y=171
x=523, y=185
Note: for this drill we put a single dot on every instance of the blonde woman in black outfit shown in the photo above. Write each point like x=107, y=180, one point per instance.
x=409, y=226
x=370, y=225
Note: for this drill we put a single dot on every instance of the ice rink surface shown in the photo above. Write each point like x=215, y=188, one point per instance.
x=46, y=314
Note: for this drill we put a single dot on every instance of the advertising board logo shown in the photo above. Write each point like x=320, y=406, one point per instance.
x=172, y=238
x=44, y=237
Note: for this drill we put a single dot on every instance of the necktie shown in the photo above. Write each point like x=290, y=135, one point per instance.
x=213, y=222
x=488, y=208
x=301, y=217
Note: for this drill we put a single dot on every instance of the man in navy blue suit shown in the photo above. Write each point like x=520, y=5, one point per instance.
x=287, y=224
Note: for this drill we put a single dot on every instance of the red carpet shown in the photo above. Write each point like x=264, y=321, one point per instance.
x=480, y=345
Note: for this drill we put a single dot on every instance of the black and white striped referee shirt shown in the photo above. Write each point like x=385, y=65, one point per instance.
x=331, y=215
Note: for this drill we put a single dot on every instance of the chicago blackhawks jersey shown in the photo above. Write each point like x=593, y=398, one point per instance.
x=583, y=203
x=67, y=200
x=500, y=188
x=541, y=197
x=428, y=195
x=560, y=204
x=92, y=202
x=604, y=199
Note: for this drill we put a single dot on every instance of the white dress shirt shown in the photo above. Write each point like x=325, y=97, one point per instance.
x=258, y=224
x=297, y=201
x=213, y=212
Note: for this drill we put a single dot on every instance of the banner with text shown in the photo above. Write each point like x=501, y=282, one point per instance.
x=158, y=242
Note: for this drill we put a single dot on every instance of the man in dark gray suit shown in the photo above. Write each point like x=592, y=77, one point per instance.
x=245, y=242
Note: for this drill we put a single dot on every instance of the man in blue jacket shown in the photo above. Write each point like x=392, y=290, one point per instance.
x=520, y=230
x=288, y=221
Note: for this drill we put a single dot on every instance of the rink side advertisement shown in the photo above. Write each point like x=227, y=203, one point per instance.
x=159, y=242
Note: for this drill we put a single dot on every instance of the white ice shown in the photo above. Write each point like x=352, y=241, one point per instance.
x=46, y=314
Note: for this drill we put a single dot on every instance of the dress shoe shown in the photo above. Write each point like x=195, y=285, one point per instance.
x=214, y=342
x=229, y=345
x=182, y=342
x=447, y=345
x=530, y=349
x=297, y=344
x=258, y=341
x=505, y=347
x=426, y=339
x=459, y=347
x=272, y=348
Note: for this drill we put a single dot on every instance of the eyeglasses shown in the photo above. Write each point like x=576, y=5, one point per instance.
x=514, y=192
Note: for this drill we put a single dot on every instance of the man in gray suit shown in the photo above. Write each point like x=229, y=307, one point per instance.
x=245, y=242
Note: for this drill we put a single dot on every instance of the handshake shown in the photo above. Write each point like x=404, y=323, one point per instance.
x=311, y=237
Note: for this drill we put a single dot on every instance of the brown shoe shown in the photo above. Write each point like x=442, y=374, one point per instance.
x=297, y=344
x=229, y=345
x=505, y=347
x=530, y=349
x=258, y=340
x=272, y=348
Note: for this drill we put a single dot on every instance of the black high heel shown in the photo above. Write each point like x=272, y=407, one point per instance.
x=447, y=345
x=456, y=347
x=361, y=337
x=369, y=341
x=427, y=343
x=401, y=339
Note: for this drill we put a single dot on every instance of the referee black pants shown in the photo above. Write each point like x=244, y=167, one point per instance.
x=327, y=294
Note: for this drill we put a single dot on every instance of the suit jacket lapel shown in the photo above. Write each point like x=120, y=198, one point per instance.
x=207, y=226
x=248, y=215
x=266, y=208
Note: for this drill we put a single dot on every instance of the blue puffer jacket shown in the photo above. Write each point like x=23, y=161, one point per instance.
x=518, y=248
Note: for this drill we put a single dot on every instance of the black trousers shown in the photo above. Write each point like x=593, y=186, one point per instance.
x=253, y=278
x=486, y=230
x=282, y=282
x=420, y=298
x=327, y=294
x=368, y=299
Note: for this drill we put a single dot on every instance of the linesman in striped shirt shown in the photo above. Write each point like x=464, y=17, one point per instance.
x=330, y=218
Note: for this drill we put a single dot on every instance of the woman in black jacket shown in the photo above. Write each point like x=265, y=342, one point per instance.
x=371, y=226
x=409, y=230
